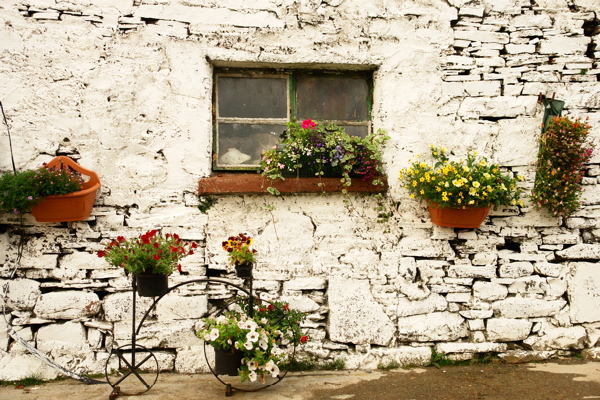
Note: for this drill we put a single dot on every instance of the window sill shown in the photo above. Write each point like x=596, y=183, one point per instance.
x=229, y=183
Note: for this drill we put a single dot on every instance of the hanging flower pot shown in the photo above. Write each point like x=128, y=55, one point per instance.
x=75, y=206
x=243, y=270
x=152, y=285
x=458, y=217
x=227, y=362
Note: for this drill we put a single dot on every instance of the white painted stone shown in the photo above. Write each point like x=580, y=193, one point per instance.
x=437, y=326
x=460, y=271
x=482, y=88
x=516, y=307
x=447, y=348
x=21, y=294
x=301, y=303
x=529, y=284
x=305, y=283
x=548, y=269
x=432, y=303
x=67, y=305
x=558, y=339
x=119, y=306
x=4, y=336
x=476, y=314
x=191, y=360
x=564, y=45
x=476, y=324
x=515, y=269
x=354, y=316
x=525, y=356
x=583, y=289
x=507, y=329
x=172, y=307
x=482, y=36
x=488, y=291
x=17, y=367
x=581, y=251
x=458, y=297
x=164, y=334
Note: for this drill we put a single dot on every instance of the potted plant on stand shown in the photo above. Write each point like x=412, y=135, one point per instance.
x=57, y=192
x=240, y=254
x=460, y=193
x=151, y=258
x=253, y=343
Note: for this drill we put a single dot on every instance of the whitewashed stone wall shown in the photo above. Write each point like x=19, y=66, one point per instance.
x=125, y=87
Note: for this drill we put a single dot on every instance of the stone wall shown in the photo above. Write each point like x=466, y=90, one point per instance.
x=125, y=87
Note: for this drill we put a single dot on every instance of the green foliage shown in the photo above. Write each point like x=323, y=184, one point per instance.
x=265, y=339
x=562, y=155
x=322, y=149
x=335, y=365
x=438, y=359
x=473, y=182
x=205, y=203
x=149, y=253
x=392, y=364
x=28, y=381
x=297, y=365
x=24, y=189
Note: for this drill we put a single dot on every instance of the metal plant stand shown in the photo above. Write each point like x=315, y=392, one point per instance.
x=133, y=358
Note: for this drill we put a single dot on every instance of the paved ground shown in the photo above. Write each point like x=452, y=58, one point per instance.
x=563, y=380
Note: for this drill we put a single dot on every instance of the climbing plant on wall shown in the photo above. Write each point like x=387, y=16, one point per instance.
x=564, y=150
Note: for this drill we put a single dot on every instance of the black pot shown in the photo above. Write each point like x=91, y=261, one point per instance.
x=243, y=270
x=152, y=285
x=228, y=362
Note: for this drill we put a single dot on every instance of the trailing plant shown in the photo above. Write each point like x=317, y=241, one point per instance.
x=150, y=253
x=23, y=189
x=265, y=336
x=319, y=149
x=464, y=183
x=205, y=203
x=564, y=151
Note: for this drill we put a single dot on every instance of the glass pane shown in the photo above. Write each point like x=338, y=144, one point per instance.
x=243, y=144
x=332, y=98
x=252, y=97
x=353, y=130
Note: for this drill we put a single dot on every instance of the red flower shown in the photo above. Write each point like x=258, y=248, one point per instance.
x=303, y=339
x=120, y=239
x=308, y=124
x=286, y=307
x=101, y=253
x=156, y=257
x=155, y=244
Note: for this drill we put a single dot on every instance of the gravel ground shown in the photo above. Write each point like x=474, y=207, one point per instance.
x=565, y=379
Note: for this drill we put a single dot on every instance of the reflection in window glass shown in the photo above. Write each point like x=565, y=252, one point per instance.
x=252, y=97
x=332, y=98
x=243, y=144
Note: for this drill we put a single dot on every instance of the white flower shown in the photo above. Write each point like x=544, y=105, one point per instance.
x=252, y=365
x=221, y=319
x=248, y=345
x=252, y=376
x=276, y=351
x=264, y=321
x=214, y=334
x=249, y=324
x=252, y=336
x=263, y=344
x=272, y=368
x=199, y=326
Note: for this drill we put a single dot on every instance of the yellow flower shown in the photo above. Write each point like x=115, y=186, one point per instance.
x=476, y=184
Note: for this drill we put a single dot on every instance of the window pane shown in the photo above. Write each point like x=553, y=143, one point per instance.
x=243, y=144
x=353, y=130
x=252, y=97
x=332, y=98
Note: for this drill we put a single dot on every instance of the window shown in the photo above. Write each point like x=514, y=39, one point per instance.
x=252, y=107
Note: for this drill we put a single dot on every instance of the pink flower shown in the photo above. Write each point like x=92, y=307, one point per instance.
x=308, y=124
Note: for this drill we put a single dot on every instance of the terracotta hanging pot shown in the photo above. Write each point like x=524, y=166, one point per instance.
x=458, y=217
x=228, y=362
x=152, y=285
x=75, y=206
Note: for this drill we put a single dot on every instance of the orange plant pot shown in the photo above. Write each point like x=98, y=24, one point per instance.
x=74, y=206
x=458, y=217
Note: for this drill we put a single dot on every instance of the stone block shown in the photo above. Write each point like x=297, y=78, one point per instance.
x=583, y=288
x=67, y=305
x=515, y=269
x=165, y=334
x=488, y=291
x=529, y=284
x=581, y=252
x=448, y=348
x=191, y=360
x=306, y=283
x=507, y=329
x=21, y=294
x=482, y=36
x=517, y=307
x=172, y=307
x=460, y=271
x=572, y=338
x=482, y=88
x=437, y=326
x=301, y=303
x=355, y=316
x=432, y=303
x=119, y=306
x=20, y=366
x=560, y=45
